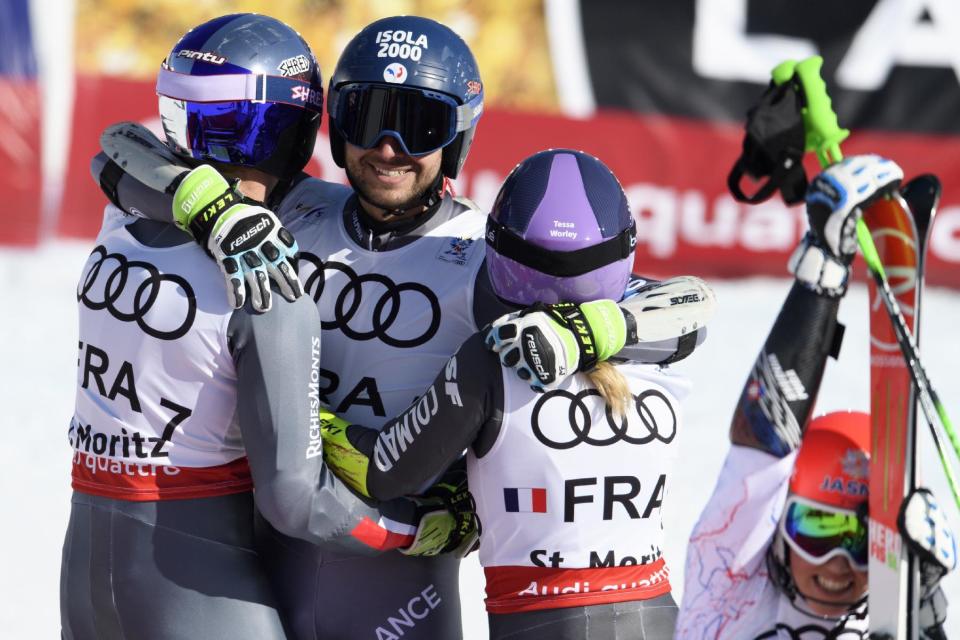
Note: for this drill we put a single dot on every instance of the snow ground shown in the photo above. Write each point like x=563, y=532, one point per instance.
x=38, y=356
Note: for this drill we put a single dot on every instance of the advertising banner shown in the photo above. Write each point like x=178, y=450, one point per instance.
x=658, y=91
x=20, y=178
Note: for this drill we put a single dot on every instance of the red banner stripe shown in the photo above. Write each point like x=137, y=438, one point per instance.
x=20, y=151
x=673, y=169
x=141, y=482
x=513, y=589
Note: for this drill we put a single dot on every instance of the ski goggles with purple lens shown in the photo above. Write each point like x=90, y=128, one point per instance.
x=232, y=132
x=817, y=533
x=421, y=121
x=233, y=118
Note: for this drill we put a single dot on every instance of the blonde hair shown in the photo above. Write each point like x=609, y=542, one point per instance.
x=612, y=386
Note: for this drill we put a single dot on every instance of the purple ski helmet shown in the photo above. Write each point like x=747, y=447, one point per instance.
x=242, y=89
x=560, y=231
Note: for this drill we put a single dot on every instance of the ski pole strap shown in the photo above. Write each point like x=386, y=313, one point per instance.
x=822, y=132
x=773, y=147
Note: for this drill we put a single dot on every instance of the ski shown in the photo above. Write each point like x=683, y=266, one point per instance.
x=899, y=228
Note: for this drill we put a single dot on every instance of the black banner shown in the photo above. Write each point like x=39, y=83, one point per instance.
x=889, y=65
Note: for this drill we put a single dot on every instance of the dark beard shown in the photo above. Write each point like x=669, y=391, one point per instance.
x=419, y=199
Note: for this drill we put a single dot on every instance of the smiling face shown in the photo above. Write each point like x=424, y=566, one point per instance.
x=388, y=180
x=831, y=588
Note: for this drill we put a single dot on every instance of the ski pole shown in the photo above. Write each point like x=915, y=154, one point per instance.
x=929, y=400
x=824, y=135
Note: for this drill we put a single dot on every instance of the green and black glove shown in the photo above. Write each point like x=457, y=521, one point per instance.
x=247, y=241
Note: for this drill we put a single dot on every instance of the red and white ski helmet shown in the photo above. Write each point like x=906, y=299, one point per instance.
x=833, y=463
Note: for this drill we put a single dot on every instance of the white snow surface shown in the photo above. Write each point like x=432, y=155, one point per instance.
x=38, y=353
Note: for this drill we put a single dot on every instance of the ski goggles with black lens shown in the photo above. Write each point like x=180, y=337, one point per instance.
x=422, y=121
x=817, y=533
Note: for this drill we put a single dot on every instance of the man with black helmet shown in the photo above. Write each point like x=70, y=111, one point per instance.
x=388, y=272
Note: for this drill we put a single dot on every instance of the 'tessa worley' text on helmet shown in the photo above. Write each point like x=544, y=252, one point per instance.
x=410, y=78
x=560, y=231
x=242, y=89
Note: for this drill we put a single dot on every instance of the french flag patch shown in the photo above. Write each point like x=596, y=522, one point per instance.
x=525, y=500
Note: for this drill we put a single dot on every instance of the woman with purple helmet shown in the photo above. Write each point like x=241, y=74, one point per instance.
x=569, y=483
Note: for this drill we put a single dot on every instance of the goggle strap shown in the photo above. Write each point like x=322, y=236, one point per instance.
x=469, y=112
x=563, y=264
x=258, y=88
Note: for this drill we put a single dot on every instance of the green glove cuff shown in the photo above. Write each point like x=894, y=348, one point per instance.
x=349, y=464
x=202, y=201
x=608, y=325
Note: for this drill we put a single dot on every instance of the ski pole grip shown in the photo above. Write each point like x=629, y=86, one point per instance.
x=822, y=132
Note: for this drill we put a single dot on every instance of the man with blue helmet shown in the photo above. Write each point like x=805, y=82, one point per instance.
x=254, y=106
x=387, y=266
x=178, y=415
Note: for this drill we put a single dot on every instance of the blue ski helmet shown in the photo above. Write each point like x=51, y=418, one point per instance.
x=242, y=89
x=560, y=231
x=410, y=78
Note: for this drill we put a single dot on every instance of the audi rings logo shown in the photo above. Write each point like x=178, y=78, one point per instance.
x=102, y=289
x=386, y=309
x=658, y=421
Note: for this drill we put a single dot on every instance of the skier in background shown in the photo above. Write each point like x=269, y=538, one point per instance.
x=184, y=404
x=781, y=547
x=569, y=484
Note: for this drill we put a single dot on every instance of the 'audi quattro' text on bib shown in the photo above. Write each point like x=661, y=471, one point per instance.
x=570, y=495
x=156, y=385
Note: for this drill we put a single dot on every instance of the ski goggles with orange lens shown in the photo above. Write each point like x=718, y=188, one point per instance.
x=817, y=532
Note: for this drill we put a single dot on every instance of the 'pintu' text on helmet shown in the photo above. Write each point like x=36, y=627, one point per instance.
x=205, y=56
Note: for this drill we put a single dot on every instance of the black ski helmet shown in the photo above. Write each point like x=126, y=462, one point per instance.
x=411, y=78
